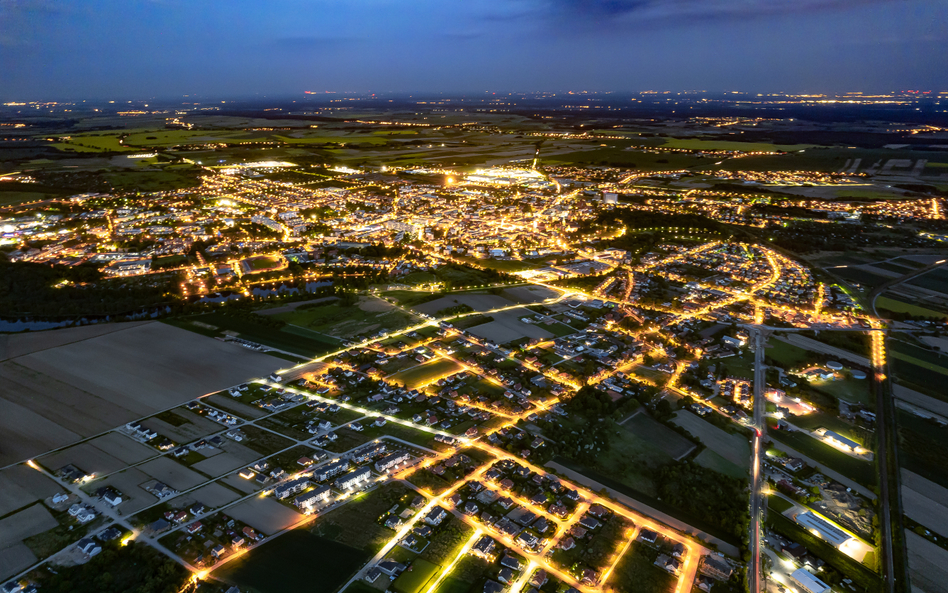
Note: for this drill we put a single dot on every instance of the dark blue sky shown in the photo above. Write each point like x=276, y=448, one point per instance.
x=127, y=49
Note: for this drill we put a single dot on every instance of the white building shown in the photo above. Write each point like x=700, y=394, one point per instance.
x=809, y=582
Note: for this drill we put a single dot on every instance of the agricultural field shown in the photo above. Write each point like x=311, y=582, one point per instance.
x=731, y=447
x=424, y=374
x=339, y=321
x=55, y=392
x=648, y=429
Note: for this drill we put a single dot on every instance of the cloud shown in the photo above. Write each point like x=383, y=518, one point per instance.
x=633, y=12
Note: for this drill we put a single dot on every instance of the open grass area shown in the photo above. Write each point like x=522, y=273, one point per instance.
x=779, y=504
x=739, y=366
x=787, y=355
x=286, y=564
x=854, y=391
x=630, y=458
x=425, y=373
x=636, y=572
x=416, y=579
x=337, y=320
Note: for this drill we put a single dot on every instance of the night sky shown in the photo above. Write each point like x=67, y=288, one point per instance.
x=136, y=49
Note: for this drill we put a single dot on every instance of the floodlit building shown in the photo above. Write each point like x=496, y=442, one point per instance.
x=823, y=528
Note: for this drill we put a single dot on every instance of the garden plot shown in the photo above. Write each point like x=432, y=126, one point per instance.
x=21, y=485
x=264, y=514
x=172, y=473
x=732, y=447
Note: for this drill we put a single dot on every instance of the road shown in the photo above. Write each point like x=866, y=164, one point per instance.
x=888, y=478
x=757, y=480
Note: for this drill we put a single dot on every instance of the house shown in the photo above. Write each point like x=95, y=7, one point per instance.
x=678, y=550
x=218, y=551
x=493, y=587
x=484, y=547
x=506, y=576
x=251, y=534
x=589, y=522
x=197, y=508
x=672, y=565
x=436, y=516
x=539, y=578
x=194, y=527
x=88, y=547
x=716, y=567
x=330, y=470
x=590, y=577
x=112, y=496
x=391, y=568
x=159, y=526
x=567, y=543
x=647, y=536
x=373, y=575
x=510, y=562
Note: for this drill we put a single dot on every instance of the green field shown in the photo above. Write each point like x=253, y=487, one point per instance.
x=263, y=262
x=557, y=329
x=415, y=579
x=897, y=306
x=927, y=359
x=787, y=355
x=345, y=321
x=308, y=347
x=652, y=431
x=426, y=373
x=691, y=144
x=286, y=564
x=713, y=461
x=630, y=459
x=856, y=391
x=922, y=445
x=936, y=280
x=779, y=504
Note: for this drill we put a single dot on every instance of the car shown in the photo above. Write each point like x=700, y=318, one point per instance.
x=757, y=432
